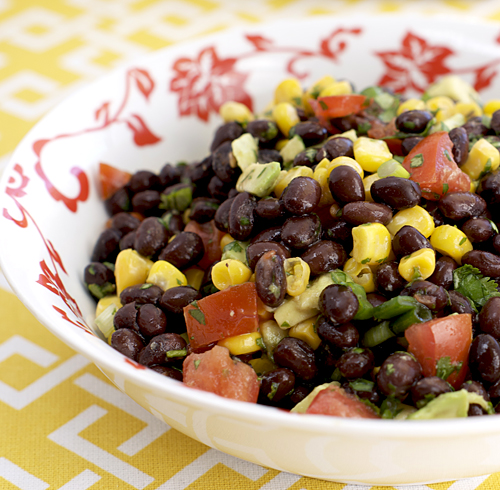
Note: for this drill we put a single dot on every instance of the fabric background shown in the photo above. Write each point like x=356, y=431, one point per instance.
x=62, y=424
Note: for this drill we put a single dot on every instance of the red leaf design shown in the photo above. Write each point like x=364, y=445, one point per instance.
x=142, y=135
x=104, y=109
x=261, y=43
x=38, y=146
x=333, y=45
x=134, y=364
x=484, y=77
x=143, y=80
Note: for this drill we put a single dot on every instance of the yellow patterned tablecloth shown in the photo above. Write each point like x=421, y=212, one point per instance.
x=62, y=424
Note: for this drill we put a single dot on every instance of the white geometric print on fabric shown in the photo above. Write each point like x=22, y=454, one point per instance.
x=82, y=481
x=19, y=399
x=19, y=477
x=154, y=428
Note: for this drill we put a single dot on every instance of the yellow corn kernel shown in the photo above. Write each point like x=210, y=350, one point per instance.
x=336, y=162
x=230, y=272
x=338, y=88
x=235, y=111
x=314, y=90
x=286, y=177
x=474, y=184
x=361, y=274
x=418, y=265
x=491, y=106
x=165, y=275
x=305, y=331
x=103, y=303
x=411, y=105
x=262, y=365
x=367, y=184
x=443, y=106
x=131, y=268
x=264, y=312
x=194, y=277
x=468, y=109
x=242, y=344
x=371, y=153
x=289, y=90
x=350, y=135
x=297, y=275
x=449, y=240
x=280, y=144
x=285, y=116
x=483, y=158
x=416, y=216
x=371, y=243
x=227, y=238
x=321, y=177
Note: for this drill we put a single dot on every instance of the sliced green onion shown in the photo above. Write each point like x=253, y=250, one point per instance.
x=392, y=168
x=419, y=314
x=394, y=307
x=104, y=322
x=377, y=334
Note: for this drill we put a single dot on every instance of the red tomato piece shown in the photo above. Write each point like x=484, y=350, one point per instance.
x=230, y=312
x=337, y=105
x=111, y=179
x=216, y=372
x=432, y=167
x=211, y=237
x=450, y=336
x=336, y=401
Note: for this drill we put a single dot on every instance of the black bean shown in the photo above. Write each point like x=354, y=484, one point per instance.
x=368, y=390
x=125, y=222
x=428, y=294
x=185, y=250
x=141, y=294
x=398, y=373
x=256, y=250
x=156, y=351
x=299, y=393
x=460, y=303
x=106, y=247
x=128, y=342
x=301, y=196
x=475, y=127
x=489, y=317
x=311, y=132
x=126, y=317
x=477, y=388
x=376, y=299
x=396, y=192
x=359, y=213
x=175, y=299
x=336, y=147
x=226, y=133
x=146, y=202
x=339, y=230
x=170, y=175
x=300, y=232
x=489, y=188
x=426, y=389
x=443, y=272
x=413, y=121
x=224, y=164
x=217, y=189
x=484, y=358
x=263, y=129
x=241, y=218
x=270, y=279
x=306, y=158
x=338, y=303
x=201, y=173
x=221, y=217
x=143, y=180
x=495, y=122
x=272, y=234
x=98, y=274
x=478, y=230
x=460, y=142
x=203, y=209
x=118, y=202
x=346, y=185
x=268, y=155
x=343, y=336
x=127, y=241
x=409, y=143
x=270, y=208
x=151, y=320
x=151, y=237
x=487, y=263
x=275, y=385
x=298, y=356
x=355, y=363
x=324, y=256
x=388, y=279
x=167, y=371
x=408, y=240
x=462, y=205
x=433, y=209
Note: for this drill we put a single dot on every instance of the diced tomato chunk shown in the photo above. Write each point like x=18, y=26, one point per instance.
x=432, y=167
x=211, y=237
x=111, y=179
x=334, y=400
x=230, y=312
x=448, y=337
x=216, y=372
x=337, y=105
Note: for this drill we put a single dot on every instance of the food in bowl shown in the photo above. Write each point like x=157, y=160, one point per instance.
x=335, y=255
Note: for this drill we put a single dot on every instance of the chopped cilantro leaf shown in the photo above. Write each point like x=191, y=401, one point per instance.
x=196, y=363
x=417, y=161
x=469, y=281
x=463, y=240
x=323, y=105
x=445, y=368
x=197, y=314
x=446, y=188
x=274, y=389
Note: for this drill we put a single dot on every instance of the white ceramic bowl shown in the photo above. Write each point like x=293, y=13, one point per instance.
x=163, y=108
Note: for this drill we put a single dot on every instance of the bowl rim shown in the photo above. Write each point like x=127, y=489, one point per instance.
x=394, y=429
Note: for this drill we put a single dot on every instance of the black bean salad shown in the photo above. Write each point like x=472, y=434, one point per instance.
x=337, y=254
